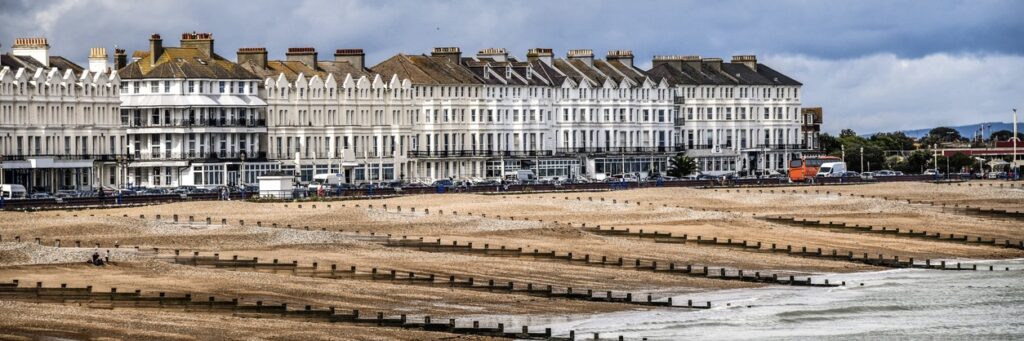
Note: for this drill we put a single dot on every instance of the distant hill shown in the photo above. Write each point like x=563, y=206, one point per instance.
x=970, y=129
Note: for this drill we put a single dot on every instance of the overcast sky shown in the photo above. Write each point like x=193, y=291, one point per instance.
x=873, y=65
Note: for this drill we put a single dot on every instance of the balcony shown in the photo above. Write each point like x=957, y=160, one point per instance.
x=68, y=156
x=209, y=156
x=187, y=123
x=622, y=150
x=777, y=146
x=477, y=153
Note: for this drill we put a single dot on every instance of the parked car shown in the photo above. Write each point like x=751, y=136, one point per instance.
x=40, y=195
x=884, y=172
x=66, y=194
x=442, y=183
x=867, y=175
x=933, y=172
x=851, y=174
x=997, y=175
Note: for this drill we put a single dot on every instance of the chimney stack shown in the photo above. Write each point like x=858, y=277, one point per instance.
x=156, y=48
x=120, y=59
x=355, y=57
x=200, y=41
x=97, y=60
x=255, y=55
x=713, y=63
x=305, y=55
x=623, y=56
x=454, y=54
x=498, y=54
x=543, y=54
x=674, y=61
x=749, y=61
x=36, y=48
x=586, y=55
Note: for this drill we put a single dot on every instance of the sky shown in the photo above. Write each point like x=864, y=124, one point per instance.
x=873, y=65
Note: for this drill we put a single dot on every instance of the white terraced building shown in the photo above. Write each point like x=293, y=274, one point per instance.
x=59, y=126
x=736, y=117
x=333, y=116
x=489, y=115
x=192, y=117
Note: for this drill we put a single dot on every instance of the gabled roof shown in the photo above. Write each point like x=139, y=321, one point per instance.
x=180, y=62
x=292, y=68
x=421, y=69
x=29, y=63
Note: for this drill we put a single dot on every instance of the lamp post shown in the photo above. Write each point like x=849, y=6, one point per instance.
x=862, y=159
x=241, y=172
x=1016, y=172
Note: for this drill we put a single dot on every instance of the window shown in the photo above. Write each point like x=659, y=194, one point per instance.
x=167, y=86
x=191, y=86
x=221, y=86
x=154, y=87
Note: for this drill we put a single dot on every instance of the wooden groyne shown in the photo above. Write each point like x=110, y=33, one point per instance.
x=897, y=232
x=429, y=279
x=240, y=306
x=605, y=261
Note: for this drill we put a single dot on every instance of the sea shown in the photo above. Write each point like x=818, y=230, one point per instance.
x=896, y=304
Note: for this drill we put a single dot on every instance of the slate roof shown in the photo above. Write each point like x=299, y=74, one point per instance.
x=179, y=62
x=292, y=69
x=730, y=74
x=422, y=69
x=31, y=64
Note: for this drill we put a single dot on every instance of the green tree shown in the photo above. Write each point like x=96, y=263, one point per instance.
x=893, y=141
x=828, y=143
x=958, y=162
x=847, y=133
x=916, y=162
x=941, y=135
x=681, y=165
x=1004, y=135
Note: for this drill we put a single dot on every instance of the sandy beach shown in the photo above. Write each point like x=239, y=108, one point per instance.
x=723, y=213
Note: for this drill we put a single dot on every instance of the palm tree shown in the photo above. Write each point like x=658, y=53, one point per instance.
x=681, y=166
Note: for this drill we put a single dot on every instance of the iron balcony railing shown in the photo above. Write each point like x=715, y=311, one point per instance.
x=186, y=123
x=66, y=156
x=224, y=156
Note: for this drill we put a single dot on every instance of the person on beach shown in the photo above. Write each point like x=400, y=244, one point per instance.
x=95, y=258
x=107, y=259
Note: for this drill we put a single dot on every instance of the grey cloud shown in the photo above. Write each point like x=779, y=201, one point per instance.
x=846, y=52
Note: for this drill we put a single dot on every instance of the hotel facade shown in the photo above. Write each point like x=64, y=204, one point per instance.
x=190, y=117
x=59, y=122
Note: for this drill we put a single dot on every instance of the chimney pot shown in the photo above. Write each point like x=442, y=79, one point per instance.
x=452, y=53
x=586, y=55
x=201, y=41
x=355, y=57
x=306, y=55
x=255, y=55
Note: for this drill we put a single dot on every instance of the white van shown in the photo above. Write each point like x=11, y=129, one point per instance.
x=832, y=169
x=325, y=181
x=13, y=191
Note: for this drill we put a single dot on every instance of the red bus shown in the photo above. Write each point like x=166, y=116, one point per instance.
x=801, y=169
